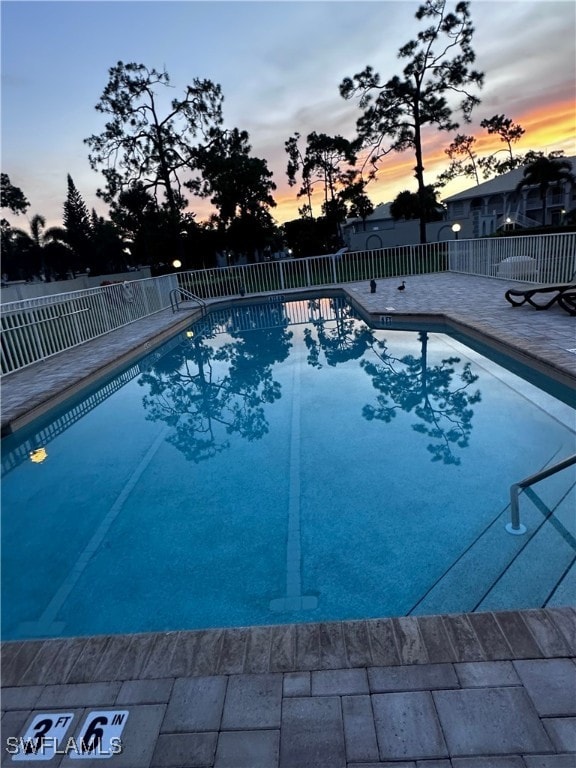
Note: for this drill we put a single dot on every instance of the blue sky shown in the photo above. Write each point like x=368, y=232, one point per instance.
x=279, y=65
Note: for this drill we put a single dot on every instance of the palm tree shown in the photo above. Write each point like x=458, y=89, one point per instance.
x=34, y=242
x=545, y=172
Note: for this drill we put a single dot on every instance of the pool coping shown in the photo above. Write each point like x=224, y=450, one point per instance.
x=394, y=641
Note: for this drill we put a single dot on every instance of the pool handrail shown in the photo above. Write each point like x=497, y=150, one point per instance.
x=515, y=526
x=175, y=303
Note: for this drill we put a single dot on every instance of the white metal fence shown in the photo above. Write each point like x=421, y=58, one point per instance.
x=534, y=258
x=34, y=329
x=316, y=270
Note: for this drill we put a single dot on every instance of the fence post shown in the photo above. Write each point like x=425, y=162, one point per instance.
x=334, y=274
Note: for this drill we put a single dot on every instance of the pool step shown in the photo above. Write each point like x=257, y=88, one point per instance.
x=535, y=575
x=501, y=570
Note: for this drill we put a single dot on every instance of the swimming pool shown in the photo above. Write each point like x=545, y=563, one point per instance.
x=285, y=462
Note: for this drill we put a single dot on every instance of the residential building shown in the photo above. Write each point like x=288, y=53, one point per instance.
x=495, y=204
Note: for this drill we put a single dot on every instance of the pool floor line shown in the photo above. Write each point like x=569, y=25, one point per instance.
x=559, y=582
x=294, y=543
x=46, y=625
x=294, y=599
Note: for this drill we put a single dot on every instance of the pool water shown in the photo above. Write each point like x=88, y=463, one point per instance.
x=284, y=462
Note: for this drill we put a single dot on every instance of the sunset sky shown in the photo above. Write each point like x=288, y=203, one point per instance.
x=279, y=65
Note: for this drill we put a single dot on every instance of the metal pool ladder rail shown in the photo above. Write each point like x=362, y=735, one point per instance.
x=176, y=294
x=515, y=526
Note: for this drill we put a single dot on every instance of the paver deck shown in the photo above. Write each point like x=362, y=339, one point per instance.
x=459, y=691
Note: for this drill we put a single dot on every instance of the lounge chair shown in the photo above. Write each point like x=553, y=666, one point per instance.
x=567, y=300
x=563, y=293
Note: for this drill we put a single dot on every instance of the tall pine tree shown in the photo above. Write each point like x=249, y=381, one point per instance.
x=78, y=228
x=438, y=70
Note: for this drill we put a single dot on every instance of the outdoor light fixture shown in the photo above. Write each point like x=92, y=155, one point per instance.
x=456, y=228
x=176, y=263
x=38, y=456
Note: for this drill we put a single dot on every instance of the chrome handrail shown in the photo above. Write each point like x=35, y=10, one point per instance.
x=515, y=526
x=174, y=303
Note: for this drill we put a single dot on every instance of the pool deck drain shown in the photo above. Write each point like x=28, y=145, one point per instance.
x=481, y=690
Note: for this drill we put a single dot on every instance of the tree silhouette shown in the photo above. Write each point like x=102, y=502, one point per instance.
x=296, y=161
x=327, y=161
x=108, y=246
x=438, y=64
x=509, y=133
x=12, y=197
x=240, y=187
x=407, y=205
x=465, y=162
x=40, y=250
x=412, y=385
x=206, y=393
x=354, y=196
x=143, y=144
x=78, y=226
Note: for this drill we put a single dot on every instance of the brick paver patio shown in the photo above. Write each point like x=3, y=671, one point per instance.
x=485, y=690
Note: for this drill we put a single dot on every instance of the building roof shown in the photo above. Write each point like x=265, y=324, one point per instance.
x=381, y=212
x=507, y=182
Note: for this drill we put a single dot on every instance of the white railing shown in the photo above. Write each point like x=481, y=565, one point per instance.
x=35, y=329
x=316, y=270
x=531, y=258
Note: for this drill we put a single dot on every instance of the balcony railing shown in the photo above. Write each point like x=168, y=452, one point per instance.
x=35, y=329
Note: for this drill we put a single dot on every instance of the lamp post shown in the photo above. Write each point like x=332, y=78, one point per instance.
x=176, y=263
x=456, y=228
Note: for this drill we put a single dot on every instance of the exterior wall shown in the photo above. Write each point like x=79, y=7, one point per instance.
x=21, y=290
x=388, y=233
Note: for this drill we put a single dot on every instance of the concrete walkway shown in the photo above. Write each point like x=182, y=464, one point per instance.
x=482, y=690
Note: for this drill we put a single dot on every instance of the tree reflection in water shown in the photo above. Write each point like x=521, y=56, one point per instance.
x=206, y=392
x=348, y=340
x=407, y=383
x=410, y=384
